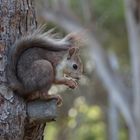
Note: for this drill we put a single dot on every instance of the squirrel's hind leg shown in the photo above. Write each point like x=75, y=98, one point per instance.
x=38, y=80
x=43, y=95
x=40, y=75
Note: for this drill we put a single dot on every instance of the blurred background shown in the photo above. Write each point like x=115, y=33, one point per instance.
x=101, y=107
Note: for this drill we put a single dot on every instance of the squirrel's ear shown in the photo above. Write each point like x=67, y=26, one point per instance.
x=72, y=51
x=76, y=50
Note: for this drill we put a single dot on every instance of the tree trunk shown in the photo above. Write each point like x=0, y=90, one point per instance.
x=132, y=12
x=16, y=18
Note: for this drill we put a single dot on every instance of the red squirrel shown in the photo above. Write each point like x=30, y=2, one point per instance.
x=37, y=61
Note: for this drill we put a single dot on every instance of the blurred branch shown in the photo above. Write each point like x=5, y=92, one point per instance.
x=133, y=25
x=113, y=119
x=55, y=5
x=86, y=10
x=111, y=80
x=134, y=44
x=66, y=7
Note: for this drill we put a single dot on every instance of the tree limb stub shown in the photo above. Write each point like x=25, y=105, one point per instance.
x=42, y=111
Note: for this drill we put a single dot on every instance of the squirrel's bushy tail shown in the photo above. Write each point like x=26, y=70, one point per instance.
x=38, y=40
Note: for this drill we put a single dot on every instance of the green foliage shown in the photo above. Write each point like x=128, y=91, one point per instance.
x=50, y=132
x=108, y=12
x=110, y=22
x=84, y=122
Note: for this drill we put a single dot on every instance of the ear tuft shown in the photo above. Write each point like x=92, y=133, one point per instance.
x=71, y=52
x=76, y=49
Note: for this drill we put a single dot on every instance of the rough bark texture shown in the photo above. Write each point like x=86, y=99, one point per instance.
x=16, y=18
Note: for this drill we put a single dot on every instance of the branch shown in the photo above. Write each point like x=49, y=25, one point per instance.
x=42, y=111
x=86, y=9
x=134, y=44
x=113, y=119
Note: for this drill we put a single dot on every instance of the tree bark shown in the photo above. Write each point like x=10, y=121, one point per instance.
x=16, y=18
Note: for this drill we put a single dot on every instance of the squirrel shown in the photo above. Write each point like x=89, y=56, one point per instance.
x=37, y=60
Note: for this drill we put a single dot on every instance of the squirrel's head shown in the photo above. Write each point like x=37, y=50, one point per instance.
x=73, y=66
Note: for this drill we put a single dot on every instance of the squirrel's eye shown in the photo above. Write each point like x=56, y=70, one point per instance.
x=75, y=66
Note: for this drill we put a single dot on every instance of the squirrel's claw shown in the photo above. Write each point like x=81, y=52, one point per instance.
x=72, y=84
x=48, y=97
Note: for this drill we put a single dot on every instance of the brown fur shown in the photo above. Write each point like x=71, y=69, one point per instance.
x=33, y=61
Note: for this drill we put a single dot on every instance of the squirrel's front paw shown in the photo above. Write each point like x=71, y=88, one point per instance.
x=71, y=84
